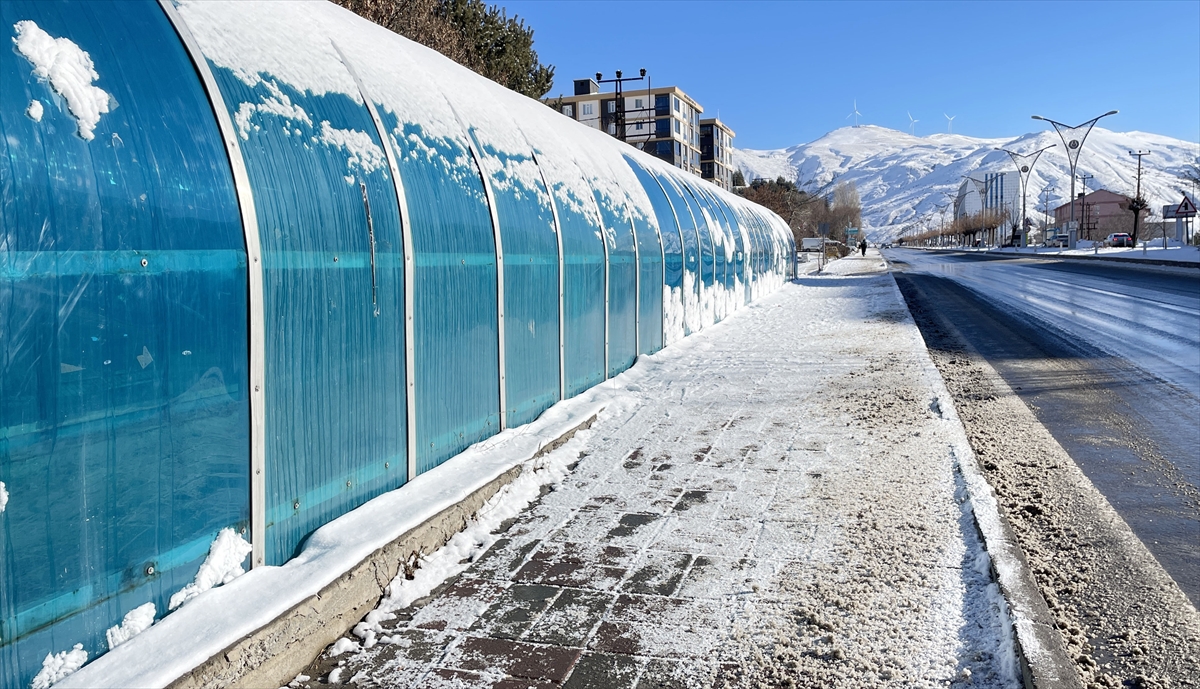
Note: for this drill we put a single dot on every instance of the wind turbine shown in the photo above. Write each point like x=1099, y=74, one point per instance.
x=949, y=123
x=856, y=114
x=912, y=124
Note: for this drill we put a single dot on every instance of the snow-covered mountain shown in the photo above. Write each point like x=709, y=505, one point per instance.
x=901, y=178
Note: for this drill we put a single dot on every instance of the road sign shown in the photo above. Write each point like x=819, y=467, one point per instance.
x=1186, y=208
x=851, y=230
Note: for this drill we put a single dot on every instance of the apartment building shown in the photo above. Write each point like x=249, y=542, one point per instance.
x=716, y=152
x=663, y=121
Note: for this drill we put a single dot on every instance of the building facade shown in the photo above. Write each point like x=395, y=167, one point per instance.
x=1002, y=193
x=1099, y=214
x=663, y=121
x=716, y=152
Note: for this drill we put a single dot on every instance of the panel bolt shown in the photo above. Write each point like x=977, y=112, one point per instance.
x=296, y=505
x=149, y=570
x=145, y=263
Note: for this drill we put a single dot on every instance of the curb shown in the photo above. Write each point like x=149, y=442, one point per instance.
x=271, y=655
x=1044, y=661
x=1120, y=260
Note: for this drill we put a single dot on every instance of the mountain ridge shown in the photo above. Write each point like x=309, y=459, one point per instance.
x=902, y=178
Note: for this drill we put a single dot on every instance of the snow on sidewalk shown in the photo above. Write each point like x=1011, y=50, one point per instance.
x=779, y=506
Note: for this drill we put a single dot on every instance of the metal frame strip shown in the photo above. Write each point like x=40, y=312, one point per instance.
x=562, y=326
x=410, y=373
x=477, y=156
x=245, y=196
x=604, y=243
x=682, y=254
x=637, y=285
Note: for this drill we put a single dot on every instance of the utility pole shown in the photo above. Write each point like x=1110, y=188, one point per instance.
x=1086, y=217
x=618, y=115
x=1138, y=204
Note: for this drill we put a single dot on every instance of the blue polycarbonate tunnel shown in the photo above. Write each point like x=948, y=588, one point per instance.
x=268, y=261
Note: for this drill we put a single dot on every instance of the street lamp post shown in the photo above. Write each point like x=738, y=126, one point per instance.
x=1024, y=163
x=618, y=115
x=981, y=188
x=1074, y=143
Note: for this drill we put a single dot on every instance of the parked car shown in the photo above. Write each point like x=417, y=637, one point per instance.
x=1056, y=240
x=811, y=244
x=1119, y=239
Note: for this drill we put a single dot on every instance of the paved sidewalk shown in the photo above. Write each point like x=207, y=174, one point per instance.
x=779, y=507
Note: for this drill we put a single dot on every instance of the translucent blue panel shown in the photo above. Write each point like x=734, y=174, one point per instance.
x=530, y=283
x=650, y=283
x=691, y=252
x=731, y=275
x=333, y=293
x=622, y=287
x=456, y=348
x=583, y=263
x=124, y=414
x=719, y=237
x=670, y=308
x=705, y=244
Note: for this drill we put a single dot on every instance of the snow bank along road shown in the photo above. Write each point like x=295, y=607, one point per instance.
x=775, y=502
x=1052, y=420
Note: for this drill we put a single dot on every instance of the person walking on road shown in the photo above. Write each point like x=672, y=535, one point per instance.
x=862, y=246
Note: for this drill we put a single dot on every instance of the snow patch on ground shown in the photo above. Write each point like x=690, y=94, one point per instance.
x=223, y=565
x=34, y=111
x=135, y=622
x=69, y=70
x=3, y=497
x=58, y=666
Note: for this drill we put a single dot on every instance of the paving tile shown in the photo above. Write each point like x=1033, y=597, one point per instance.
x=634, y=530
x=663, y=673
x=514, y=658
x=728, y=537
x=570, y=618
x=672, y=612
x=503, y=559
x=713, y=576
x=515, y=611
x=785, y=540
x=459, y=605
x=617, y=637
x=657, y=572
x=604, y=671
x=589, y=524
x=590, y=566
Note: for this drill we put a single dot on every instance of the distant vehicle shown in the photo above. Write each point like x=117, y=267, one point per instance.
x=811, y=244
x=1056, y=240
x=1119, y=239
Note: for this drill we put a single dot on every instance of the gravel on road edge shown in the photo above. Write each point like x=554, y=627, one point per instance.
x=1123, y=620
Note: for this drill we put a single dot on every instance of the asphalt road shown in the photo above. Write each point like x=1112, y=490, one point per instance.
x=1108, y=359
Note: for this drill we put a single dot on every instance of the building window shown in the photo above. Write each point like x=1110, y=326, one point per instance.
x=611, y=106
x=569, y=110
x=676, y=126
x=587, y=108
x=662, y=127
x=637, y=103
x=638, y=126
x=676, y=101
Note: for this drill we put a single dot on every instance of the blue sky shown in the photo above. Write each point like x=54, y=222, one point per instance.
x=783, y=73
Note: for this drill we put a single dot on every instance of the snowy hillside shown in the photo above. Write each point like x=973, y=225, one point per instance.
x=901, y=178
